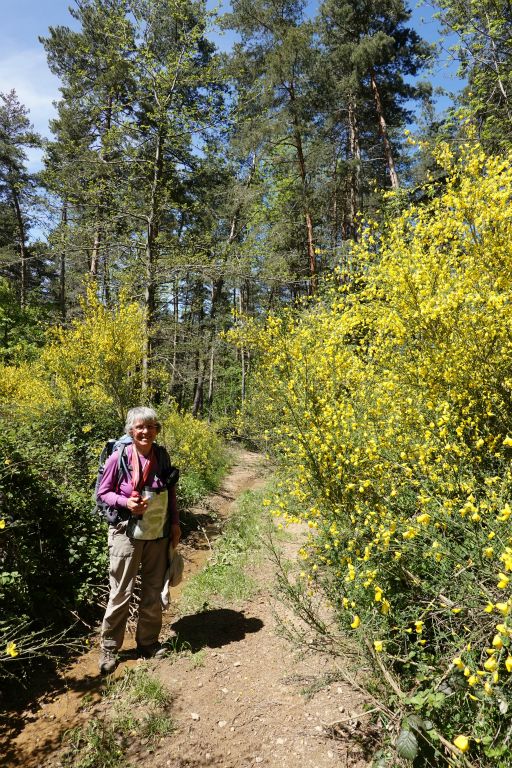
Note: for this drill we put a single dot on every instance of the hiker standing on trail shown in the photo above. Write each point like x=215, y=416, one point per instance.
x=137, y=489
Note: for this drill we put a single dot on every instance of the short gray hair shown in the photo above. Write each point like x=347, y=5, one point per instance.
x=140, y=413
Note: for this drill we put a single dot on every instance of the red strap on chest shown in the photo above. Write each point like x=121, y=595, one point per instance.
x=140, y=474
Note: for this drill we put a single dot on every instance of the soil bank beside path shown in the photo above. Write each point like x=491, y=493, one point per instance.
x=238, y=699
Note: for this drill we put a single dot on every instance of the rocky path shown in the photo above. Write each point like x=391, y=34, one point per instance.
x=238, y=698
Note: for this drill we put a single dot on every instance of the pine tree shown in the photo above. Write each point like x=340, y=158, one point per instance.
x=84, y=162
x=369, y=53
x=139, y=91
x=17, y=185
x=273, y=64
x=484, y=30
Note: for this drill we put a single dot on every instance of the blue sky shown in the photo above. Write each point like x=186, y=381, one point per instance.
x=23, y=62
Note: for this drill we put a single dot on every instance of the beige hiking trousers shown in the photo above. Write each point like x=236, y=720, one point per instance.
x=126, y=555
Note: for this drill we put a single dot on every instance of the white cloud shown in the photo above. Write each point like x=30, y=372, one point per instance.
x=27, y=72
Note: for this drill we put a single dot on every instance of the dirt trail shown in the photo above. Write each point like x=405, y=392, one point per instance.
x=240, y=705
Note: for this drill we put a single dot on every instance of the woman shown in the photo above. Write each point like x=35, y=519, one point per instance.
x=140, y=492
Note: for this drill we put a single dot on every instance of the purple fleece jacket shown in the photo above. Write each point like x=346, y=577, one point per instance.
x=117, y=496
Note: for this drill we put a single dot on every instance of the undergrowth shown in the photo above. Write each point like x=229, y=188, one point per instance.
x=225, y=577
x=137, y=714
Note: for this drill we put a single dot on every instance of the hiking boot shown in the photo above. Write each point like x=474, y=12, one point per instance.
x=107, y=661
x=153, y=651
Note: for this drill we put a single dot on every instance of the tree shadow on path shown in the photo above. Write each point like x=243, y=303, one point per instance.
x=214, y=628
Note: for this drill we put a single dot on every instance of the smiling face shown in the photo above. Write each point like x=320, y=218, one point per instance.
x=143, y=435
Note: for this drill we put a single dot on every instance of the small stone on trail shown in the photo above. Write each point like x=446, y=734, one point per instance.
x=280, y=741
x=195, y=716
x=224, y=690
x=330, y=754
x=237, y=664
x=222, y=723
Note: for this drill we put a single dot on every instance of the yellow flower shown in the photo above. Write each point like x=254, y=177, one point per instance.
x=419, y=627
x=11, y=649
x=424, y=519
x=378, y=645
x=489, y=608
x=355, y=622
x=491, y=664
x=2, y=524
x=508, y=663
x=505, y=513
x=504, y=580
x=472, y=680
x=457, y=662
x=503, y=608
x=507, y=440
x=462, y=743
x=497, y=641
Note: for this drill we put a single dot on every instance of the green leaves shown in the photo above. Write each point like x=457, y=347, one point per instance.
x=407, y=744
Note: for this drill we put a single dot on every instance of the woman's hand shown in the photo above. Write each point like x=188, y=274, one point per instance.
x=175, y=535
x=137, y=505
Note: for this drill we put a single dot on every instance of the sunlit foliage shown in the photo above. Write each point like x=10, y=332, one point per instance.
x=389, y=403
x=95, y=362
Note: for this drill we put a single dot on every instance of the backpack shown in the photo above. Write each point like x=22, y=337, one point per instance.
x=164, y=469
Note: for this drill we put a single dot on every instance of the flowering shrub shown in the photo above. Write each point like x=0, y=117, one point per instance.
x=198, y=451
x=95, y=364
x=389, y=402
x=56, y=412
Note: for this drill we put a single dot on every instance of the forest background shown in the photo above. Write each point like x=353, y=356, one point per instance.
x=284, y=242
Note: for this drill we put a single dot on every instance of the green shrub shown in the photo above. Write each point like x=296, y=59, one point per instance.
x=388, y=401
x=198, y=451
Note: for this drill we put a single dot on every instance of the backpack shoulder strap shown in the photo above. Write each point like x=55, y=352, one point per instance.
x=166, y=471
x=162, y=459
x=122, y=457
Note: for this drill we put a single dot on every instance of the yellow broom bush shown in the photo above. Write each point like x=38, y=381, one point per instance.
x=389, y=401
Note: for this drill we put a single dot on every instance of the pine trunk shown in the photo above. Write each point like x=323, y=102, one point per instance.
x=383, y=130
x=23, y=249
x=355, y=175
x=62, y=265
x=95, y=254
x=151, y=261
x=98, y=234
x=305, y=201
